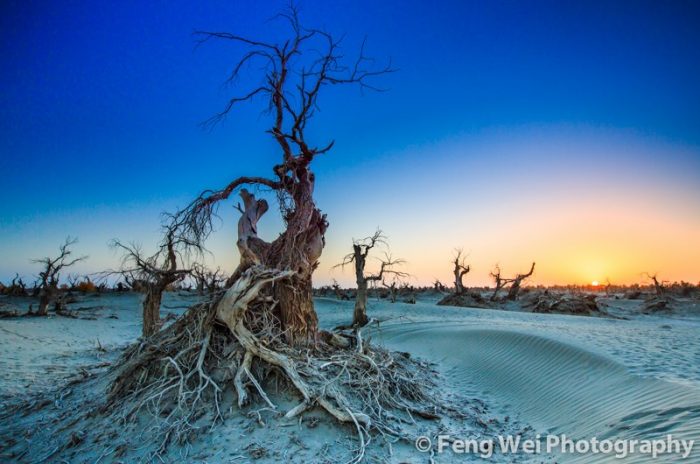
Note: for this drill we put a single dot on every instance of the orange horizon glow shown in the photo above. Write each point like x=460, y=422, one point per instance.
x=625, y=209
x=608, y=217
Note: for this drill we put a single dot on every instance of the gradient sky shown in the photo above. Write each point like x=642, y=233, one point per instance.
x=562, y=132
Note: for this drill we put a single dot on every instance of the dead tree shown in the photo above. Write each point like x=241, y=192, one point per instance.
x=295, y=72
x=215, y=279
x=199, y=274
x=360, y=252
x=393, y=291
x=266, y=318
x=17, y=287
x=155, y=274
x=49, y=277
x=206, y=279
x=608, y=287
x=659, y=287
x=339, y=293
x=516, y=283
x=409, y=293
x=438, y=286
x=460, y=270
x=499, y=282
x=73, y=280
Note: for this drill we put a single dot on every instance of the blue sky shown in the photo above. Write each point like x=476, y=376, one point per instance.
x=496, y=107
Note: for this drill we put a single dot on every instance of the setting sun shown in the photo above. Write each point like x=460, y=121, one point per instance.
x=594, y=283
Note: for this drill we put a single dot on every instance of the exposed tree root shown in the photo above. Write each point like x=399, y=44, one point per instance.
x=233, y=343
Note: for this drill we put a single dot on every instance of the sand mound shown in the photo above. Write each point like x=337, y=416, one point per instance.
x=579, y=305
x=558, y=386
x=465, y=300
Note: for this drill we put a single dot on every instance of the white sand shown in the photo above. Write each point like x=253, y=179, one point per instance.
x=636, y=378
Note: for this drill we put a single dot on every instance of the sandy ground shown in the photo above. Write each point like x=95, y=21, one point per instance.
x=637, y=377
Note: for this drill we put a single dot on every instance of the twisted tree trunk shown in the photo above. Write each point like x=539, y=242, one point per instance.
x=460, y=271
x=297, y=249
x=295, y=71
x=515, y=286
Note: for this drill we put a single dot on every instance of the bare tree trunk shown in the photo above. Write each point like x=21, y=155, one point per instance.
x=359, y=316
x=460, y=270
x=515, y=286
x=499, y=282
x=513, y=291
x=44, y=300
x=393, y=292
x=459, y=286
x=658, y=287
x=151, y=310
x=297, y=249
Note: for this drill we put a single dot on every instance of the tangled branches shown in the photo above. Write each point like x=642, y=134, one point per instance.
x=180, y=375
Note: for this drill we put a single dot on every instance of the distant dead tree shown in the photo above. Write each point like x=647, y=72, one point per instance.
x=499, y=281
x=50, y=275
x=393, y=290
x=409, y=293
x=608, y=286
x=339, y=293
x=215, y=278
x=73, y=280
x=438, y=286
x=360, y=252
x=515, y=282
x=206, y=279
x=460, y=270
x=17, y=287
x=659, y=287
x=152, y=274
x=199, y=274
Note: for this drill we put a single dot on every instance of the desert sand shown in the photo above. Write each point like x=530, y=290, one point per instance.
x=510, y=371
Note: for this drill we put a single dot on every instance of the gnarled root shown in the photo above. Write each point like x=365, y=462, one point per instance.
x=231, y=310
x=181, y=374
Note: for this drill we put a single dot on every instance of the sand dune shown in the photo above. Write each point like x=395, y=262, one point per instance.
x=556, y=387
